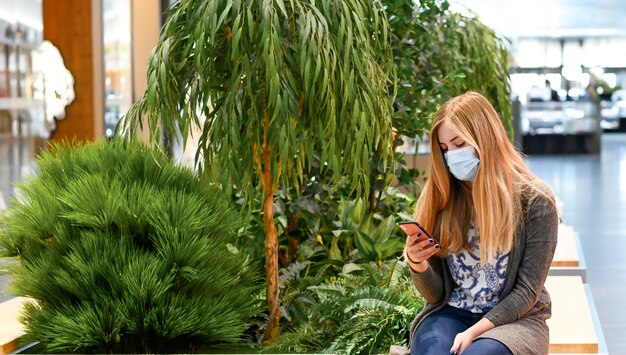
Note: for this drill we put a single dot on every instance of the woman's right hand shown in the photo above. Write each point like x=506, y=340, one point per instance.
x=418, y=249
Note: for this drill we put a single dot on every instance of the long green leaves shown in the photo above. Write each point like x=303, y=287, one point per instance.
x=439, y=54
x=486, y=66
x=318, y=69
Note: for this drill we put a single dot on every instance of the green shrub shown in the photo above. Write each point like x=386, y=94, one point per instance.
x=126, y=252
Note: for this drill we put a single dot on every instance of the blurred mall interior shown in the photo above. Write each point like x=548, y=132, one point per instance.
x=568, y=79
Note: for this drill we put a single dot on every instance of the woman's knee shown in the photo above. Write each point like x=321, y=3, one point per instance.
x=436, y=335
x=487, y=346
x=424, y=345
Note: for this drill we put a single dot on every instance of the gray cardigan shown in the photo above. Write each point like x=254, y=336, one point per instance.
x=524, y=303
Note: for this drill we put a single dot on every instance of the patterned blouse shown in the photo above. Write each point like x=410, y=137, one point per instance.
x=478, y=286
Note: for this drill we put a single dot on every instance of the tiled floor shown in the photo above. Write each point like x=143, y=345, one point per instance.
x=4, y=293
x=593, y=191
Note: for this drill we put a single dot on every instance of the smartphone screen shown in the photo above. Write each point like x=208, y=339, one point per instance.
x=412, y=228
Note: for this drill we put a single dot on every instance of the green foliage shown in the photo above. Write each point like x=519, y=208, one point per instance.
x=273, y=85
x=375, y=243
x=297, y=77
x=126, y=252
x=309, y=80
x=327, y=220
x=439, y=54
x=362, y=310
x=484, y=59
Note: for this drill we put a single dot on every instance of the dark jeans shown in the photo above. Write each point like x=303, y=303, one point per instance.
x=436, y=334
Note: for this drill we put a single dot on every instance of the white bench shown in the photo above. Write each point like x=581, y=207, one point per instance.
x=11, y=330
x=568, y=256
x=574, y=325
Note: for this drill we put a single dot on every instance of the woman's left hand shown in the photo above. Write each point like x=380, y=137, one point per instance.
x=461, y=342
x=465, y=339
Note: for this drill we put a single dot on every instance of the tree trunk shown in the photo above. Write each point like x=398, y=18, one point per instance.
x=271, y=243
x=271, y=260
x=373, y=205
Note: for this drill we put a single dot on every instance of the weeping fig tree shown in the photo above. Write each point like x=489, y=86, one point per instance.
x=273, y=85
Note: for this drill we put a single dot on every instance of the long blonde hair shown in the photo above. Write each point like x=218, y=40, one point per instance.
x=492, y=201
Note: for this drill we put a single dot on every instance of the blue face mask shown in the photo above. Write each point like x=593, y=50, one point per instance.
x=462, y=163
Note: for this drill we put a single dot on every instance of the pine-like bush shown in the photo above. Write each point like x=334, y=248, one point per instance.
x=126, y=252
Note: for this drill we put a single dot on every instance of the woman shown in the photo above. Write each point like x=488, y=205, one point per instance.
x=496, y=229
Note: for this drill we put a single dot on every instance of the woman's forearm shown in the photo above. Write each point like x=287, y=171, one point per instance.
x=480, y=327
x=429, y=284
x=465, y=339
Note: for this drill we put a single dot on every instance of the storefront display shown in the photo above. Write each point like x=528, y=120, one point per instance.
x=20, y=35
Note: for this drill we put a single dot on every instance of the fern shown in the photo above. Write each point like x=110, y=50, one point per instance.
x=293, y=271
x=380, y=317
x=363, y=309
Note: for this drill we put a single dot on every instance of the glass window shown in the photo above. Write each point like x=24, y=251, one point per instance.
x=118, y=86
x=538, y=53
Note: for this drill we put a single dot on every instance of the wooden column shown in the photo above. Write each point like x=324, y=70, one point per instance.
x=146, y=24
x=146, y=18
x=75, y=28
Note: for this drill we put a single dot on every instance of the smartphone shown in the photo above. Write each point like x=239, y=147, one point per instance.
x=412, y=228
